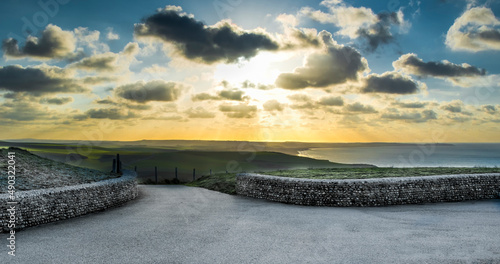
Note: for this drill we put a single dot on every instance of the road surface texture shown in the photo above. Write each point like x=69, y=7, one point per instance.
x=178, y=224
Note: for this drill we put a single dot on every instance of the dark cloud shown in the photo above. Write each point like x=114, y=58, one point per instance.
x=107, y=113
x=57, y=100
x=223, y=42
x=299, y=97
x=454, y=107
x=410, y=63
x=53, y=44
x=105, y=102
x=360, y=108
x=410, y=104
x=143, y=92
x=415, y=117
x=380, y=32
x=238, y=111
x=26, y=111
x=492, y=35
x=273, y=105
x=38, y=81
x=233, y=94
x=199, y=112
x=389, y=82
x=100, y=62
x=204, y=97
x=331, y=101
x=338, y=64
x=490, y=109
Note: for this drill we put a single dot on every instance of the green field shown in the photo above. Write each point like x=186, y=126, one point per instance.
x=166, y=159
x=226, y=183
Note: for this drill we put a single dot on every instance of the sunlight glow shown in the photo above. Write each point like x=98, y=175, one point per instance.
x=263, y=68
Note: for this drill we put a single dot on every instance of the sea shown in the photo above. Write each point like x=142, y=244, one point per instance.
x=411, y=155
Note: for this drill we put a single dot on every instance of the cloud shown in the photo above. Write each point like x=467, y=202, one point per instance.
x=26, y=111
x=57, y=100
x=302, y=102
x=389, y=82
x=410, y=104
x=100, y=62
x=331, y=101
x=222, y=42
x=158, y=90
x=410, y=63
x=38, y=81
x=360, y=108
x=54, y=43
x=107, y=113
x=294, y=37
x=199, y=112
x=238, y=111
x=111, y=35
x=454, y=106
x=306, y=103
x=247, y=84
x=166, y=118
x=299, y=97
x=477, y=29
x=273, y=105
x=490, y=109
x=233, y=94
x=98, y=79
x=336, y=64
x=413, y=117
x=90, y=39
x=359, y=22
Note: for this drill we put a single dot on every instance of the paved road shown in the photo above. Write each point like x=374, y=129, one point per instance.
x=177, y=224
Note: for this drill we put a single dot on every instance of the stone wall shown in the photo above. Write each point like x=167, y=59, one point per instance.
x=41, y=206
x=370, y=192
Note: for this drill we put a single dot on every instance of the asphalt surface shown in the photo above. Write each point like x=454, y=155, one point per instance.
x=178, y=224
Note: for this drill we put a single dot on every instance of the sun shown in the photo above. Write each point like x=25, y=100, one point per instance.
x=261, y=69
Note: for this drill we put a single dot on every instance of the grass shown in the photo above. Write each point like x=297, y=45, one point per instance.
x=367, y=173
x=222, y=182
x=226, y=183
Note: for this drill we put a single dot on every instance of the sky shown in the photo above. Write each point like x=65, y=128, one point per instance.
x=312, y=71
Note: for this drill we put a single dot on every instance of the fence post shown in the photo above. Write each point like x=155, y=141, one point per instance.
x=118, y=163
x=135, y=168
x=176, y=172
x=156, y=175
x=194, y=177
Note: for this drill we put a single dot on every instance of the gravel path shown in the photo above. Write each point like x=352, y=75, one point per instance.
x=178, y=224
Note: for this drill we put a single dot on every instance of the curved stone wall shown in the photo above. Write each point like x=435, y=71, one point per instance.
x=370, y=192
x=41, y=206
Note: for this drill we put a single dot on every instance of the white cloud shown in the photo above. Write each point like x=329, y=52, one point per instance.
x=111, y=35
x=477, y=29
